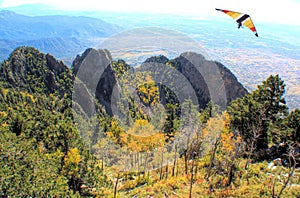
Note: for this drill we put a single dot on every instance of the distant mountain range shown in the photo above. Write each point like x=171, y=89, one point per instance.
x=34, y=9
x=62, y=36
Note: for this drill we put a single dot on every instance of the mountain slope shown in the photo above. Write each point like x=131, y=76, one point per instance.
x=21, y=27
x=35, y=72
x=44, y=32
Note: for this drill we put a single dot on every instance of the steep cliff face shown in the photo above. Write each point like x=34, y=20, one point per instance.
x=211, y=80
x=234, y=89
x=191, y=66
x=94, y=72
x=36, y=72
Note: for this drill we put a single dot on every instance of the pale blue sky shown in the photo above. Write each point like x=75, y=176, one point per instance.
x=280, y=11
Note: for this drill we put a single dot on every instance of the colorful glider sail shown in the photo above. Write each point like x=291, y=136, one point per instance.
x=241, y=19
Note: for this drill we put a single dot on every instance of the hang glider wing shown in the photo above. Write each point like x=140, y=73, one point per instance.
x=241, y=19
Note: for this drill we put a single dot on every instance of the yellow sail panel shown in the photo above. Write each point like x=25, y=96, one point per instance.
x=233, y=15
x=248, y=23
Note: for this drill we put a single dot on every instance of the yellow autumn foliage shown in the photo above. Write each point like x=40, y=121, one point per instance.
x=3, y=114
x=149, y=92
x=4, y=93
x=73, y=156
x=72, y=160
x=143, y=137
x=141, y=127
x=228, y=140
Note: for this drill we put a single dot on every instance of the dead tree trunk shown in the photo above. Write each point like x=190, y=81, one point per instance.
x=116, y=186
x=212, y=158
x=192, y=178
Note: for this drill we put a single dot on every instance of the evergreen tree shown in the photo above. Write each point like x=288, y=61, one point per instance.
x=254, y=115
x=293, y=124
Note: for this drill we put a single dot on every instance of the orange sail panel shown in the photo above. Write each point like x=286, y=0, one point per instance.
x=241, y=19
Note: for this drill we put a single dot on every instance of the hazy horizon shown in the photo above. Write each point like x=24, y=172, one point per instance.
x=274, y=11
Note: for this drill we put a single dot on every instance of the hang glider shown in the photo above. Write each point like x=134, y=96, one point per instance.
x=241, y=19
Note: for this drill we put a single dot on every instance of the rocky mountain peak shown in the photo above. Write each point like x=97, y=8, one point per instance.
x=210, y=80
x=31, y=70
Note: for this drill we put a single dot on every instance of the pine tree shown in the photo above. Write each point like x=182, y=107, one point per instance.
x=255, y=114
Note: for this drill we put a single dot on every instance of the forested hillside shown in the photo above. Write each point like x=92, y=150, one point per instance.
x=56, y=144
